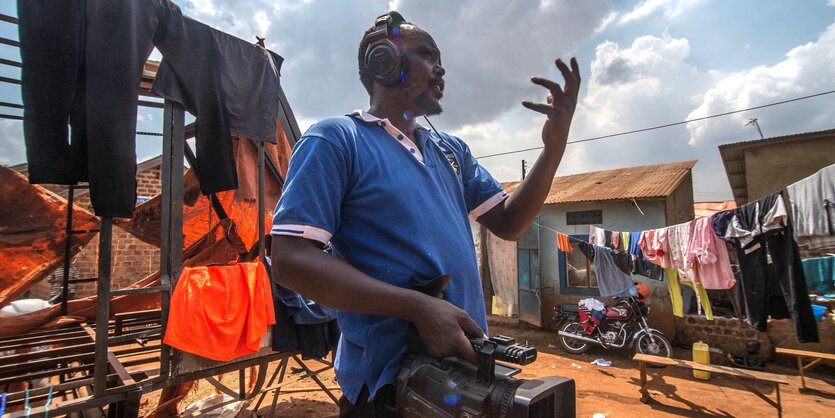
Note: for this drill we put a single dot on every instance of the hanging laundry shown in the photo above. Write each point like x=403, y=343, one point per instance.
x=220, y=312
x=607, y=239
x=674, y=284
x=707, y=257
x=641, y=265
x=773, y=280
x=597, y=235
x=611, y=280
x=736, y=296
x=813, y=209
x=820, y=273
x=624, y=239
x=679, y=238
x=634, y=239
x=623, y=260
x=563, y=243
x=655, y=247
x=616, y=240
x=82, y=61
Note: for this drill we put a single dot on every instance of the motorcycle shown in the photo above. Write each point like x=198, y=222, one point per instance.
x=625, y=325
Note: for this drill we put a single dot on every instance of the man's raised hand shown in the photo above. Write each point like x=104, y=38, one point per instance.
x=560, y=104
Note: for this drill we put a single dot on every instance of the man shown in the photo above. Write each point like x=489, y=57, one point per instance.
x=392, y=199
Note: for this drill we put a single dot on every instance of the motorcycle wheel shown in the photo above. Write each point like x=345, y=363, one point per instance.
x=661, y=347
x=572, y=345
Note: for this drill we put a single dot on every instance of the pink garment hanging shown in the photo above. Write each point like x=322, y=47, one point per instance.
x=708, y=256
x=656, y=247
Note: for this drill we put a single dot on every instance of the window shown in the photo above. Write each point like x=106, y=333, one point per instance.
x=579, y=271
x=584, y=217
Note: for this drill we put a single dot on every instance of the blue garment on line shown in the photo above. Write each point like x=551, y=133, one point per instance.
x=611, y=280
x=820, y=273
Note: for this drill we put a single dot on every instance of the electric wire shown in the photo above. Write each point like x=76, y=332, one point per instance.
x=667, y=125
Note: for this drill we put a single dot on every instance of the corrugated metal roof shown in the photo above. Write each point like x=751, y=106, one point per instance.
x=703, y=209
x=63, y=191
x=765, y=141
x=623, y=183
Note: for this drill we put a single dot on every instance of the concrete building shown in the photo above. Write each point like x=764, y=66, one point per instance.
x=761, y=167
x=625, y=199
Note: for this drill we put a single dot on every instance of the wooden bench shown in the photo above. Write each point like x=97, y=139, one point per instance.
x=736, y=374
x=800, y=354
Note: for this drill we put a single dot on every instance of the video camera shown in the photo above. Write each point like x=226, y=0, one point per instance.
x=429, y=387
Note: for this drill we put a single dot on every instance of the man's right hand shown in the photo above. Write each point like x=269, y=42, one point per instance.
x=446, y=329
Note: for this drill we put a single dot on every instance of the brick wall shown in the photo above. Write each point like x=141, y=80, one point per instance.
x=730, y=335
x=726, y=334
x=132, y=259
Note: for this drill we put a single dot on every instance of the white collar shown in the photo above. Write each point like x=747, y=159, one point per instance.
x=392, y=131
x=367, y=117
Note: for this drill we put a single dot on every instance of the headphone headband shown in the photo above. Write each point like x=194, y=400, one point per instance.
x=383, y=26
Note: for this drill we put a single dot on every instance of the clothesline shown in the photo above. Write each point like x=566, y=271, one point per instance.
x=558, y=232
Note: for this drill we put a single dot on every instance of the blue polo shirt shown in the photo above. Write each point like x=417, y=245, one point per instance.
x=392, y=209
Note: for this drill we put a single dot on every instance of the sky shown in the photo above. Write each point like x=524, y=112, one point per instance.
x=643, y=63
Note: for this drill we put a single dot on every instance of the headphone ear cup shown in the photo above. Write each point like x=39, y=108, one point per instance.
x=385, y=62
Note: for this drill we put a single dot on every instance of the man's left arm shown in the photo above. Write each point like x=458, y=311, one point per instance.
x=509, y=219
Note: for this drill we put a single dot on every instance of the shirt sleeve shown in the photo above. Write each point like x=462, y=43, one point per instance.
x=310, y=202
x=481, y=191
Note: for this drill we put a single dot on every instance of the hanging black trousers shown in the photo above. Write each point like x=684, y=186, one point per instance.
x=82, y=65
x=52, y=36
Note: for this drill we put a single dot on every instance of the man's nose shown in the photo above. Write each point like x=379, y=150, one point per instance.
x=439, y=70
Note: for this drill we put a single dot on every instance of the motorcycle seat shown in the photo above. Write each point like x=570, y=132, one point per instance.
x=569, y=308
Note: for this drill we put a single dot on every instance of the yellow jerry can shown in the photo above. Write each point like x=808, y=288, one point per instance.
x=701, y=354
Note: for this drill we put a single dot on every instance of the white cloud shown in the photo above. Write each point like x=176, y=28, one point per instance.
x=12, y=150
x=645, y=84
x=669, y=8
x=262, y=21
x=808, y=69
x=204, y=7
x=607, y=21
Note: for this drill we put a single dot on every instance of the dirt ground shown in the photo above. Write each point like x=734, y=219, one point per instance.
x=612, y=391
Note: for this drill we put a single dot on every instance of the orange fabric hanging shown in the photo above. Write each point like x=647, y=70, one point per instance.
x=563, y=243
x=220, y=312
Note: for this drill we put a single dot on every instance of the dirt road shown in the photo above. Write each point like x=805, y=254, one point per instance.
x=613, y=390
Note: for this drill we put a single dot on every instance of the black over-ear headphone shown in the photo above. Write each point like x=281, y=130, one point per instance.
x=383, y=58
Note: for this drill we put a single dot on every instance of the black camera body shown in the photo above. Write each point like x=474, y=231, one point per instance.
x=430, y=387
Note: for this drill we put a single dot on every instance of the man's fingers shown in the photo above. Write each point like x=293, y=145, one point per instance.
x=575, y=68
x=469, y=354
x=566, y=73
x=471, y=329
x=548, y=84
x=539, y=107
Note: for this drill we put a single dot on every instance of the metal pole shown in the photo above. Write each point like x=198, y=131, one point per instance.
x=261, y=203
x=524, y=167
x=103, y=308
x=171, y=237
x=65, y=281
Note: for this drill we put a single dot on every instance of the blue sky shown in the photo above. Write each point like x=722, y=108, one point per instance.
x=644, y=63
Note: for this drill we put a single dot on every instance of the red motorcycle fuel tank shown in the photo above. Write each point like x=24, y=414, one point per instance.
x=621, y=314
